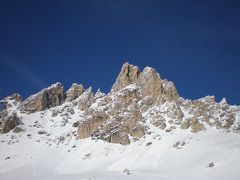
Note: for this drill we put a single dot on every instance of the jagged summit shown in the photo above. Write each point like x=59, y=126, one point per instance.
x=45, y=99
x=74, y=92
x=148, y=81
x=137, y=102
x=128, y=74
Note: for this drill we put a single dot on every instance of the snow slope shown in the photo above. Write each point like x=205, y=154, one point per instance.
x=55, y=154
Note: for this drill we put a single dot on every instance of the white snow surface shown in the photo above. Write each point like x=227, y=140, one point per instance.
x=48, y=150
x=58, y=155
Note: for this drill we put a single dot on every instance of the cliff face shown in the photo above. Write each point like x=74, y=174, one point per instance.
x=8, y=117
x=133, y=93
x=45, y=99
x=137, y=103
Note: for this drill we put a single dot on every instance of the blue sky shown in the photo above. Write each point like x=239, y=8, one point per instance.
x=196, y=44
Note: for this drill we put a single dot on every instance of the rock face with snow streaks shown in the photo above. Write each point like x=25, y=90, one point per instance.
x=138, y=102
x=8, y=122
x=138, y=99
x=45, y=99
x=74, y=92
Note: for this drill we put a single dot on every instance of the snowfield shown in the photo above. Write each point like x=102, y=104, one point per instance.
x=176, y=155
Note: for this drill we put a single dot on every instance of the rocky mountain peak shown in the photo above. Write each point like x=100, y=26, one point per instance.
x=128, y=74
x=85, y=99
x=45, y=99
x=99, y=94
x=16, y=97
x=148, y=81
x=137, y=103
x=74, y=92
x=224, y=101
x=8, y=121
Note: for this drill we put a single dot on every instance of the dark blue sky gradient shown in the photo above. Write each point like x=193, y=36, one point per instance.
x=196, y=44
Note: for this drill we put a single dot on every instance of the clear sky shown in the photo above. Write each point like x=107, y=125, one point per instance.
x=195, y=44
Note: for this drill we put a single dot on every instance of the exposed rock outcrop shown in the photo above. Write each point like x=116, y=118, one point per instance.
x=10, y=101
x=169, y=90
x=150, y=83
x=93, y=122
x=127, y=75
x=45, y=99
x=74, y=92
x=85, y=100
x=2, y=106
x=3, y=114
x=132, y=94
x=119, y=137
x=15, y=97
x=140, y=104
x=8, y=122
x=159, y=121
x=137, y=132
x=194, y=123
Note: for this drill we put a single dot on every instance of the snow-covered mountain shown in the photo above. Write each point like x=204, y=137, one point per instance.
x=141, y=129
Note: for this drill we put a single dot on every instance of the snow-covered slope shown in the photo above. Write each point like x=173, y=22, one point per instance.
x=130, y=133
x=154, y=157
